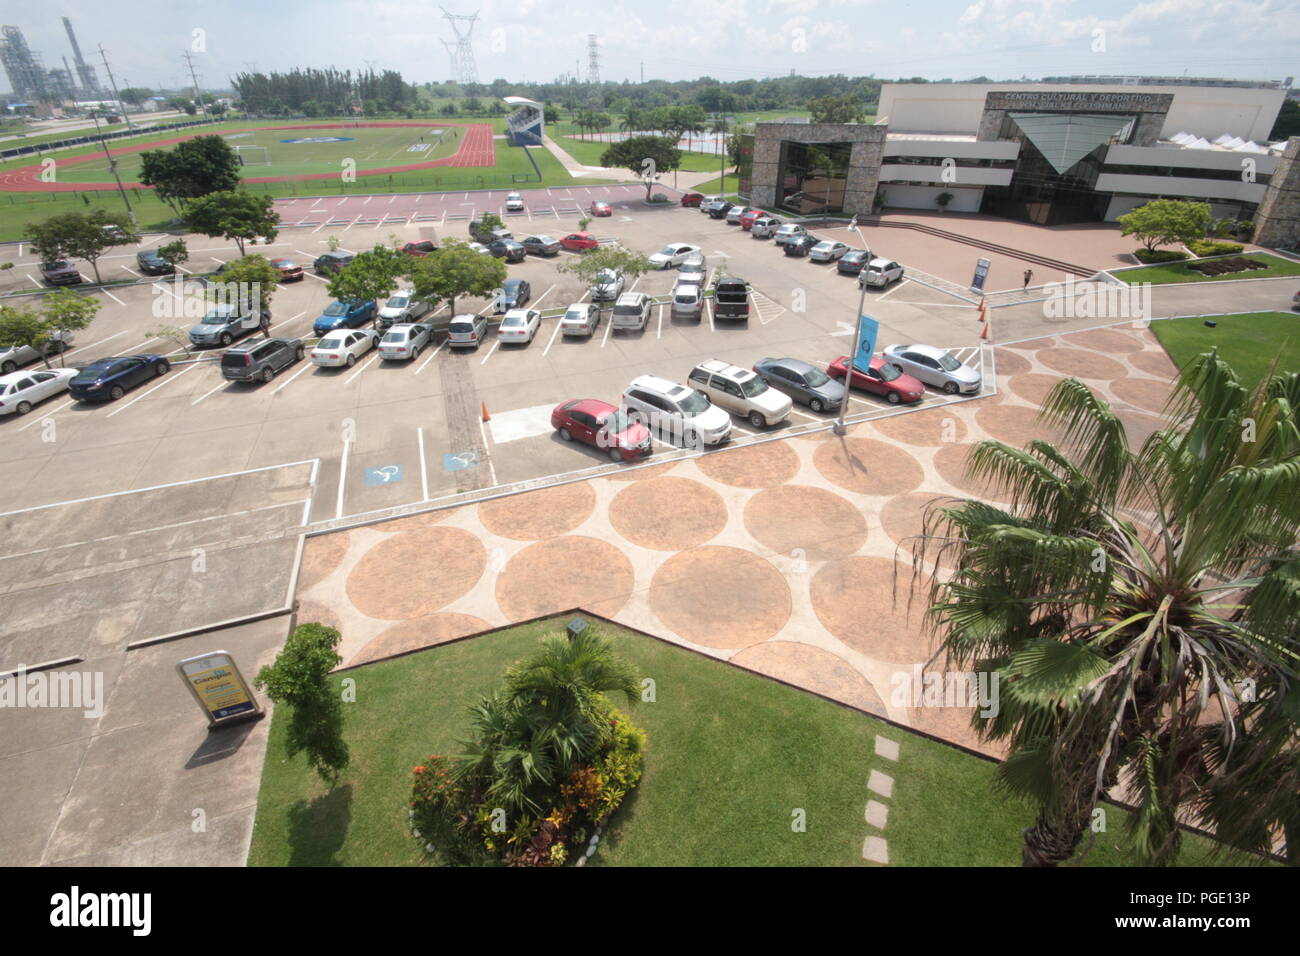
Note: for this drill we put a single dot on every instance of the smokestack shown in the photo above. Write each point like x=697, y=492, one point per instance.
x=86, y=72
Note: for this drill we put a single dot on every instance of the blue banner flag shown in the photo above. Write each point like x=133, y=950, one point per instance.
x=866, y=344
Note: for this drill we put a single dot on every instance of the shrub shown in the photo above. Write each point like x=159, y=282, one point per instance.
x=1204, y=247
x=658, y=198
x=1218, y=267
x=1151, y=256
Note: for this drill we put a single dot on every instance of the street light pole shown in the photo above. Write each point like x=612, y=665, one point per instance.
x=841, y=423
x=112, y=168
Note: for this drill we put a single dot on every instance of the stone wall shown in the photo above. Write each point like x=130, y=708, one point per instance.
x=1277, y=221
x=1150, y=109
x=865, y=156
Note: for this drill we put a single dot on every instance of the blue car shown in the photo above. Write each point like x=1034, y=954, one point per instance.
x=344, y=315
x=108, y=379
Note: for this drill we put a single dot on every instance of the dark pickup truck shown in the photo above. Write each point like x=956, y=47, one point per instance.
x=731, y=298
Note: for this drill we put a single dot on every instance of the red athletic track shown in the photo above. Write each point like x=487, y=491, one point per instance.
x=477, y=148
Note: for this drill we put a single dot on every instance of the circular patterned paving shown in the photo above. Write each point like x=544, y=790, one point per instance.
x=1107, y=340
x=799, y=518
x=720, y=597
x=1081, y=363
x=565, y=572
x=933, y=427
x=312, y=612
x=868, y=466
x=1012, y=424
x=860, y=601
x=903, y=518
x=422, y=520
x=756, y=466
x=539, y=514
x=1009, y=361
x=1142, y=393
x=321, y=556
x=419, y=632
x=416, y=573
x=814, y=669
x=950, y=463
x=1034, y=386
x=1154, y=363
x=668, y=514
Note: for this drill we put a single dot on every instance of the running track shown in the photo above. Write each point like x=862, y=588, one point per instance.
x=477, y=148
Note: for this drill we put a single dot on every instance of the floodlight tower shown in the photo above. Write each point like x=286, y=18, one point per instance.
x=463, y=69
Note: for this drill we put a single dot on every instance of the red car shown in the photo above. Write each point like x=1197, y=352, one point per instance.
x=578, y=241
x=885, y=379
x=601, y=425
x=289, y=270
x=749, y=215
x=601, y=208
x=421, y=248
x=692, y=199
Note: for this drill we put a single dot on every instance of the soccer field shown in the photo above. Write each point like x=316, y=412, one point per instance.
x=302, y=152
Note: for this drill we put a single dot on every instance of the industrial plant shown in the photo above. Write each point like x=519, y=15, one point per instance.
x=37, y=90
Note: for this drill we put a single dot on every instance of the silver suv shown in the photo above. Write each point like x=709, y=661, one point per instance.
x=675, y=411
x=466, y=331
x=631, y=311
x=741, y=391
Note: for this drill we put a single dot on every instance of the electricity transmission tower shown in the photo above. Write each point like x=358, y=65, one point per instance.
x=463, y=69
x=593, y=61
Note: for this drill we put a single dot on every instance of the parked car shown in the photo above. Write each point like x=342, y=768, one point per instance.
x=692, y=268
x=783, y=234
x=404, y=342
x=479, y=232
x=601, y=208
x=800, y=245
x=402, y=306
x=608, y=285
x=673, y=254
x=226, y=322
x=684, y=414
x=936, y=367
x=541, y=245
x=688, y=300
x=60, y=272
x=514, y=202
x=705, y=201
x=581, y=318
x=260, y=361
x=631, y=311
x=348, y=315
x=601, y=425
x=289, y=270
x=884, y=378
x=803, y=382
x=343, y=347
x=151, y=263
x=828, y=250
x=108, y=379
x=692, y=199
x=519, y=325
x=20, y=391
x=466, y=330
x=853, y=262
x=420, y=248
x=741, y=391
x=478, y=247
x=731, y=298
x=515, y=293
x=14, y=356
x=508, y=249
x=880, y=273
x=750, y=215
x=734, y=214
x=1295, y=301
x=717, y=209
x=331, y=263
x=765, y=227
x=579, y=241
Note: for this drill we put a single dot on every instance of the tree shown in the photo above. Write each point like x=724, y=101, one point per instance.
x=586, y=267
x=135, y=95
x=196, y=167
x=75, y=235
x=837, y=109
x=1288, y=121
x=1162, y=222
x=174, y=253
x=645, y=156
x=234, y=214
x=371, y=275
x=300, y=679
x=67, y=311
x=455, y=270
x=23, y=327
x=242, y=277
x=1140, y=611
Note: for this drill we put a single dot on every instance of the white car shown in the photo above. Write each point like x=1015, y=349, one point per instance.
x=676, y=411
x=935, y=367
x=828, y=250
x=12, y=358
x=519, y=325
x=880, y=272
x=688, y=299
x=19, y=391
x=514, y=202
x=480, y=248
x=791, y=230
x=631, y=312
x=673, y=254
x=692, y=269
x=742, y=391
x=343, y=347
x=706, y=200
x=608, y=285
x=581, y=318
x=765, y=226
x=734, y=214
x=402, y=306
x=403, y=342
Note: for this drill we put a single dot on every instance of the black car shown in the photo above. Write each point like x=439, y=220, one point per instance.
x=718, y=209
x=853, y=262
x=508, y=249
x=331, y=263
x=259, y=361
x=151, y=263
x=108, y=379
x=799, y=245
x=514, y=294
x=60, y=272
x=803, y=382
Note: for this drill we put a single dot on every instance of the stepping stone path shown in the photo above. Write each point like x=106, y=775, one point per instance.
x=876, y=848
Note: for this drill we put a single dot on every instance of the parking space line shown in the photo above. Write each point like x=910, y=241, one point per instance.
x=34, y=282
x=487, y=453
x=221, y=384
x=543, y=296
x=343, y=475
x=170, y=378
x=659, y=332
x=132, y=271
x=424, y=468
x=902, y=283
x=47, y=415
x=431, y=355
x=495, y=343
x=307, y=364
x=558, y=322
x=363, y=368
x=113, y=297
x=608, y=325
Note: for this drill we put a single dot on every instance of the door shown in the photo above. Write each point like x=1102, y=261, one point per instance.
x=135, y=370
x=727, y=394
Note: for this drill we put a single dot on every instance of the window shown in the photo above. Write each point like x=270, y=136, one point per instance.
x=698, y=375
x=43, y=376
x=23, y=385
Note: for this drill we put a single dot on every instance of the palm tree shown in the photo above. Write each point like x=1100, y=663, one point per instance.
x=1141, y=611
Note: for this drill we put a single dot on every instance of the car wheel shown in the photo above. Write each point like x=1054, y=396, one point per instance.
x=950, y=388
x=8, y=367
x=894, y=398
x=352, y=360
x=225, y=339
x=268, y=373
x=757, y=420
x=299, y=354
x=816, y=405
x=24, y=408
x=690, y=438
x=615, y=455
x=415, y=353
x=163, y=368
x=566, y=434
x=116, y=392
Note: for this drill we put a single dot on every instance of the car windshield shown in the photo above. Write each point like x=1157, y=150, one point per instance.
x=216, y=318
x=331, y=343
x=694, y=403
x=668, y=251
x=689, y=267
x=816, y=378
x=336, y=308
x=752, y=387
x=398, y=302
x=547, y=240
x=888, y=372
x=606, y=275
x=615, y=422
x=948, y=363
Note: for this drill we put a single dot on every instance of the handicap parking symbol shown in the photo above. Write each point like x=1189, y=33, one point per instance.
x=384, y=475
x=459, y=461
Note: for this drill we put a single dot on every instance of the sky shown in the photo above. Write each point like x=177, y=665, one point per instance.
x=530, y=40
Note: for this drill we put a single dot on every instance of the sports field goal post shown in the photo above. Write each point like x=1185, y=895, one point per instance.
x=253, y=155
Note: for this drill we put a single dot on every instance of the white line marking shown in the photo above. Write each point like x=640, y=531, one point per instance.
x=430, y=358
x=608, y=325
x=424, y=468
x=169, y=378
x=113, y=297
x=343, y=476
x=221, y=384
x=306, y=364
x=365, y=366
x=553, y=335
x=495, y=343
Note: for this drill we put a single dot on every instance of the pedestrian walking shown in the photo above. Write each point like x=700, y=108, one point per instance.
x=1029, y=277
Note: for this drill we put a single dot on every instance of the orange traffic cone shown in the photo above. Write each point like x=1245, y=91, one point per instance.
x=486, y=416
x=983, y=308
x=984, y=332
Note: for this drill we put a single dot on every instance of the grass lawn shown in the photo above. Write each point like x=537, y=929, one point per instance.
x=1247, y=342
x=724, y=186
x=730, y=757
x=1167, y=272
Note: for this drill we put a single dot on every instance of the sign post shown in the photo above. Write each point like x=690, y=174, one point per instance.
x=981, y=273
x=219, y=688
x=841, y=425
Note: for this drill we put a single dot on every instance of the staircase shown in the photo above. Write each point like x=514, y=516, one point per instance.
x=524, y=126
x=1032, y=257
